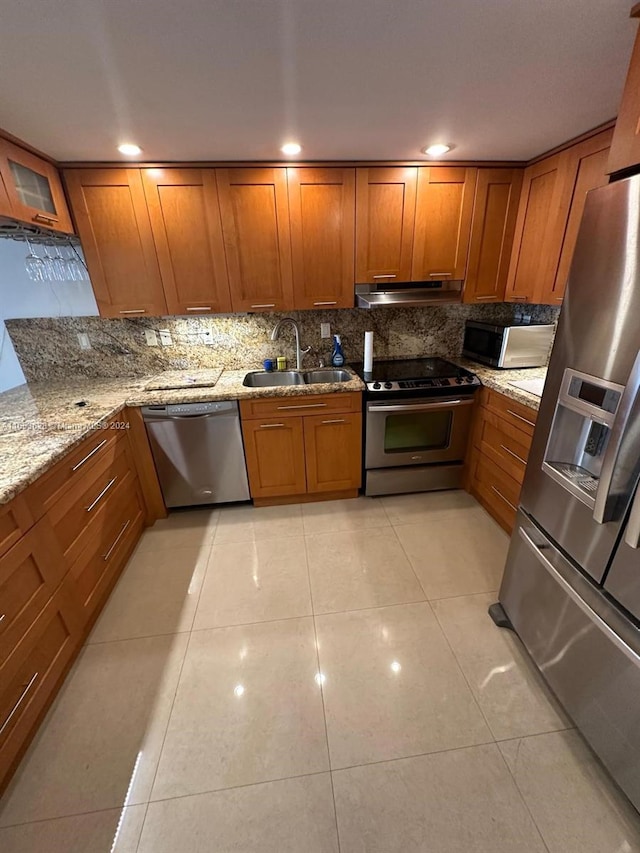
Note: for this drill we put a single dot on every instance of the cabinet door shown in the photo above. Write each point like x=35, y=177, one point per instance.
x=185, y=220
x=34, y=189
x=274, y=450
x=113, y=224
x=255, y=226
x=333, y=448
x=444, y=206
x=385, y=216
x=591, y=172
x=542, y=215
x=625, y=147
x=492, y=229
x=322, y=208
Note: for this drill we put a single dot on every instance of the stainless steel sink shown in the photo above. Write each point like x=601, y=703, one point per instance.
x=327, y=375
x=266, y=379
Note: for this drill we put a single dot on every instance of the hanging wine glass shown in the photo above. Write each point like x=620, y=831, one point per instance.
x=34, y=264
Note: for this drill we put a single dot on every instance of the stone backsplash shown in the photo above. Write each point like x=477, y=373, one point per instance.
x=48, y=348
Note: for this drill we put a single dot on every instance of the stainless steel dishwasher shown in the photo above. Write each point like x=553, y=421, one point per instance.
x=198, y=452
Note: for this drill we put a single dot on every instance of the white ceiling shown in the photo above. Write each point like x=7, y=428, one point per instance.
x=350, y=79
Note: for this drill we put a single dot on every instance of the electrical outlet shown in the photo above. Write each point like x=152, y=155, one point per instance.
x=165, y=337
x=206, y=337
x=325, y=330
x=151, y=337
x=83, y=340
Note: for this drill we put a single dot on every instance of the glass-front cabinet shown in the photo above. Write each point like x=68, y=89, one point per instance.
x=31, y=190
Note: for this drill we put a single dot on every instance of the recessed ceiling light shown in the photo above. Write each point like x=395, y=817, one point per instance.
x=437, y=150
x=130, y=149
x=291, y=148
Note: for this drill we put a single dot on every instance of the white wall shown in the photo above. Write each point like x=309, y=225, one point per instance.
x=21, y=297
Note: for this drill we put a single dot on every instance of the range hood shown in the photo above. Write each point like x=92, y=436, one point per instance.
x=408, y=294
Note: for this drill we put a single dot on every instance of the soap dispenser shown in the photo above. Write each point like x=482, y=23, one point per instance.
x=337, y=356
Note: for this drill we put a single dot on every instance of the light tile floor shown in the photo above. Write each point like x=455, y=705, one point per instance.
x=320, y=678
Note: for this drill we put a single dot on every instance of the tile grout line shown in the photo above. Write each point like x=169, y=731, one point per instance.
x=521, y=794
x=324, y=710
x=462, y=672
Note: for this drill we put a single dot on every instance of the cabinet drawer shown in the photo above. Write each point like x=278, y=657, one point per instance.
x=302, y=405
x=504, y=448
x=15, y=520
x=73, y=468
x=30, y=675
x=97, y=567
x=29, y=575
x=497, y=490
x=75, y=516
x=511, y=412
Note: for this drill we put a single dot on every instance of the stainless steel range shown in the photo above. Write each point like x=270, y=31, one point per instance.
x=418, y=415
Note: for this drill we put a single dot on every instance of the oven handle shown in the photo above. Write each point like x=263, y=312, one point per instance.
x=420, y=407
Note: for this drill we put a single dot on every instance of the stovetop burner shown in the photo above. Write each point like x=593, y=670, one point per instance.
x=424, y=375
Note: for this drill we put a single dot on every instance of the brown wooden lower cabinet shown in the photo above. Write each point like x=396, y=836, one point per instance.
x=302, y=452
x=63, y=543
x=497, y=458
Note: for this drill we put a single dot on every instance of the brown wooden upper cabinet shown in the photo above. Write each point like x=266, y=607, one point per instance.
x=589, y=167
x=322, y=210
x=385, y=218
x=625, y=147
x=444, y=205
x=255, y=225
x=492, y=230
x=113, y=224
x=551, y=204
x=185, y=221
x=32, y=190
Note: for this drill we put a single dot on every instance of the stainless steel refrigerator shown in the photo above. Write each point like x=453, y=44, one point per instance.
x=571, y=587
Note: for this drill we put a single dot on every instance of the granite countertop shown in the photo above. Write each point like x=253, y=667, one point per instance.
x=41, y=422
x=499, y=380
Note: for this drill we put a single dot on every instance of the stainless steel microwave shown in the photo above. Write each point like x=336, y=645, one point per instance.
x=502, y=345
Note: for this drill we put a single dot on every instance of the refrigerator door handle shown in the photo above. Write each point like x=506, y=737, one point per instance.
x=603, y=505
x=576, y=598
x=632, y=534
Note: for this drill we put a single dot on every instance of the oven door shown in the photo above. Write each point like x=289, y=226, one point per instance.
x=417, y=432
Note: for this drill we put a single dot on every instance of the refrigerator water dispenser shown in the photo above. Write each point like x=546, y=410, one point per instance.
x=580, y=432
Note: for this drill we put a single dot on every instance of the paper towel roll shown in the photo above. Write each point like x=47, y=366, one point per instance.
x=368, y=352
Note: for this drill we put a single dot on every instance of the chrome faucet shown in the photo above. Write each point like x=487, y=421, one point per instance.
x=275, y=334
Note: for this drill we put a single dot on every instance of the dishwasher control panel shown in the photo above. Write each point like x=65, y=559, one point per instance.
x=177, y=409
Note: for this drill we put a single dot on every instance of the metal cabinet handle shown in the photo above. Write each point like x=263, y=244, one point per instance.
x=19, y=702
x=483, y=298
x=500, y=495
x=520, y=418
x=440, y=274
x=335, y=421
x=134, y=311
x=102, y=494
x=326, y=303
x=304, y=406
x=106, y=556
x=47, y=220
x=270, y=426
x=519, y=298
x=2, y=617
x=89, y=455
x=515, y=455
x=265, y=305
x=389, y=275
x=201, y=308
x=577, y=599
